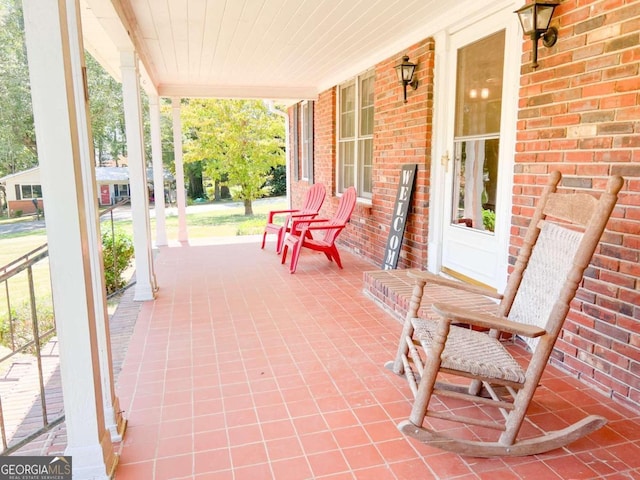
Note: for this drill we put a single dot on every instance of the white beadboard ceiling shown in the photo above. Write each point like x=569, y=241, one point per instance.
x=277, y=49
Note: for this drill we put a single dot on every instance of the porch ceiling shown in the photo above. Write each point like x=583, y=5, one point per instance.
x=280, y=49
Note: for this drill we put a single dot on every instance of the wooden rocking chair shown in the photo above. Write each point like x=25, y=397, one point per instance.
x=301, y=232
x=311, y=207
x=441, y=358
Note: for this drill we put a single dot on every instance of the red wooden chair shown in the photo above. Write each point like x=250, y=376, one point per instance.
x=311, y=207
x=301, y=232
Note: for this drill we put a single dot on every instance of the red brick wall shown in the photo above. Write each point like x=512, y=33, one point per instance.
x=402, y=134
x=579, y=113
x=26, y=206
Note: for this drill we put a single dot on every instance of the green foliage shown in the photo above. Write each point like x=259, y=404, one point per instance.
x=22, y=324
x=489, y=220
x=117, y=253
x=239, y=138
x=17, y=213
x=277, y=181
x=107, y=112
x=17, y=135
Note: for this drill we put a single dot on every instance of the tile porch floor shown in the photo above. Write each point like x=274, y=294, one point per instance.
x=239, y=370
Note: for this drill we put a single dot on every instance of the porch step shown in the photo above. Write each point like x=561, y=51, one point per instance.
x=391, y=289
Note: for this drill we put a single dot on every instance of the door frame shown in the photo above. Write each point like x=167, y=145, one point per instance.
x=491, y=21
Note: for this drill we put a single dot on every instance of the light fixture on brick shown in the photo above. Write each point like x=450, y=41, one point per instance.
x=535, y=18
x=406, y=75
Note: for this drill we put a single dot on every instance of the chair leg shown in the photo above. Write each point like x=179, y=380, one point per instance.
x=428, y=380
x=397, y=365
x=336, y=255
x=264, y=237
x=284, y=253
x=280, y=240
x=295, y=254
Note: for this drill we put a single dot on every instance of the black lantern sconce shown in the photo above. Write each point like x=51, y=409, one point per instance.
x=405, y=72
x=535, y=19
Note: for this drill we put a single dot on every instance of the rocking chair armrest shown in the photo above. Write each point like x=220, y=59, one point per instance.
x=463, y=315
x=436, y=279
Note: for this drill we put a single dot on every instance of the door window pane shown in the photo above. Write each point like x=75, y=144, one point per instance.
x=475, y=183
x=479, y=87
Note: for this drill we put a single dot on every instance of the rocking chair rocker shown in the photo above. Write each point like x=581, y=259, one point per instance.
x=311, y=207
x=561, y=239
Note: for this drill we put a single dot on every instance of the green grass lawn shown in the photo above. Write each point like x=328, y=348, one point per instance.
x=225, y=220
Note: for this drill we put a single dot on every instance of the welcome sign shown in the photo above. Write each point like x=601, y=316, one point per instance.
x=399, y=218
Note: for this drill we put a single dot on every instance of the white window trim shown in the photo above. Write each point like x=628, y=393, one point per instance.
x=304, y=113
x=364, y=198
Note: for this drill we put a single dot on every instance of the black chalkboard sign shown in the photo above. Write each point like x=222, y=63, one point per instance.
x=399, y=218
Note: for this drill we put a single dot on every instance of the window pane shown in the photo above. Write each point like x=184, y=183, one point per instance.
x=26, y=191
x=366, y=105
x=37, y=191
x=479, y=87
x=347, y=166
x=347, y=111
x=365, y=157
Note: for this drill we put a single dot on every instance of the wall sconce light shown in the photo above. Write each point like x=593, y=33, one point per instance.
x=535, y=19
x=405, y=72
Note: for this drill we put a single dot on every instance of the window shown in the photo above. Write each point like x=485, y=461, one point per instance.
x=29, y=191
x=355, y=134
x=121, y=190
x=307, y=141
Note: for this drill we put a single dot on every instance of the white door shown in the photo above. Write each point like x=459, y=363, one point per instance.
x=477, y=155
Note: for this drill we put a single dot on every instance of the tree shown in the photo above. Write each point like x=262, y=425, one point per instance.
x=17, y=135
x=239, y=138
x=107, y=113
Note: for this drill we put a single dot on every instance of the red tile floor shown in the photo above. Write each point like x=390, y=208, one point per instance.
x=240, y=370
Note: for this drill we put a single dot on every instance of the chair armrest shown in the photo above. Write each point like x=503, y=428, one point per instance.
x=325, y=227
x=301, y=214
x=462, y=315
x=272, y=213
x=301, y=223
x=432, y=278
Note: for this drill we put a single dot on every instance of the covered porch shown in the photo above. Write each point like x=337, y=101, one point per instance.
x=240, y=370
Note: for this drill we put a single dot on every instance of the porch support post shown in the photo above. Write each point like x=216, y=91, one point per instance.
x=180, y=193
x=55, y=55
x=158, y=170
x=145, y=278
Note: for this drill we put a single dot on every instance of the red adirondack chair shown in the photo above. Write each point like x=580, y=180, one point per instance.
x=310, y=209
x=301, y=236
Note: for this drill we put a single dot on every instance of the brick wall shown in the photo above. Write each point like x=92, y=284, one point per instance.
x=579, y=113
x=402, y=134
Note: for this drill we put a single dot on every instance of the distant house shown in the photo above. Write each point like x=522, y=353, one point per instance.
x=23, y=189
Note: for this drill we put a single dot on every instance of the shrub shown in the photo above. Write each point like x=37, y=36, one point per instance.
x=23, y=325
x=17, y=213
x=489, y=220
x=117, y=253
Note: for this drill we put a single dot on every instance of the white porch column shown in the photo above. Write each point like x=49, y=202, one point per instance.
x=158, y=170
x=145, y=278
x=55, y=55
x=114, y=420
x=180, y=193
